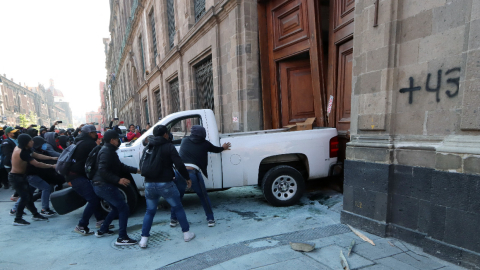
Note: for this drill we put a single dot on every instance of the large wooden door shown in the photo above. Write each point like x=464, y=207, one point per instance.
x=340, y=63
x=296, y=91
x=292, y=89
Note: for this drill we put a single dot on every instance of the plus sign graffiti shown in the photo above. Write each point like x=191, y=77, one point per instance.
x=435, y=89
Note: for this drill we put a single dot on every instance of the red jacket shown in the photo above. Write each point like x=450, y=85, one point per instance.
x=131, y=136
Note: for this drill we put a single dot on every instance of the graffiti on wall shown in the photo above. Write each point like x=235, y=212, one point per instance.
x=450, y=93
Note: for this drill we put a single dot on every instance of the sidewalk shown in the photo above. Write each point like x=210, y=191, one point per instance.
x=275, y=253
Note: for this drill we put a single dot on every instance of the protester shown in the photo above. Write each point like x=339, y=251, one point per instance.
x=8, y=145
x=99, y=138
x=110, y=172
x=63, y=142
x=194, y=153
x=133, y=134
x=77, y=178
x=159, y=182
x=50, y=147
x=23, y=155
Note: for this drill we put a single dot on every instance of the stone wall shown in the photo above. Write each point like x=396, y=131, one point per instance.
x=412, y=163
x=226, y=34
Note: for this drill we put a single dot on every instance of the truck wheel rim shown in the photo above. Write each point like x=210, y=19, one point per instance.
x=106, y=206
x=284, y=187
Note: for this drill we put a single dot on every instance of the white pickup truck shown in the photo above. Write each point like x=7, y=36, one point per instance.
x=280, y=161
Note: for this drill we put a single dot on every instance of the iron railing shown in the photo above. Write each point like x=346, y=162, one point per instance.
x=175, y=95
x=204, y=82
x=171, y=22
x=199, y=6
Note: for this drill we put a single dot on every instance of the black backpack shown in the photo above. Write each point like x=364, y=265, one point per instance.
x=65, y=160
x=151, y=162
x=91, y=163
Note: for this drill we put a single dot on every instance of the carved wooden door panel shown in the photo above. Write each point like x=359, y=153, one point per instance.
x=287, y=32
x=340, y=64
x=296, y=91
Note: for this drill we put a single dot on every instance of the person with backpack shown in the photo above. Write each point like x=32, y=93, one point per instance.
x=109, y=173
x=194, y=153
x=3, y=172
x=85, y=143
x=156, y=165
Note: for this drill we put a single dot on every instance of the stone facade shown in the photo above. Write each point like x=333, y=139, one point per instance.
x=17, y=99
x=412, y=168
x=220, y=38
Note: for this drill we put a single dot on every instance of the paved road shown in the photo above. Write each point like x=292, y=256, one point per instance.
x=249, y=234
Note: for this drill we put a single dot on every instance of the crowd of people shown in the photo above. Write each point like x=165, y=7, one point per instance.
x=29, y=158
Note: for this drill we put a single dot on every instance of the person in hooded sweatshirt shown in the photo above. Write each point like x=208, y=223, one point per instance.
x=77, y=178
x=3, y=171
x=109, y=174
x=194, y=153
x=21, y=157
x=163, y=186
x=51, y=146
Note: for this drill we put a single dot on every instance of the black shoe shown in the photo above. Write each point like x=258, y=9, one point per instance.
x=211, y=223
x=6, y=186
x=20, y=222
x=173, y=223
x=39, y=217
x=82, y=230
x=48, y=213
x=13, y=213
x=102, y=234
x=125, y=241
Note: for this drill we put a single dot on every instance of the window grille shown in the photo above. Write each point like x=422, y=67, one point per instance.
x=199, y=6
x=154, y=37
x=141, y=54
x=171, y=22
x=146, y=111
x=204, y=81
x=175, y=95
x=159, y=103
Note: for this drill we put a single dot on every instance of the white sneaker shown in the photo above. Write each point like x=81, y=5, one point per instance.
x=187, y=236
x=143, y=242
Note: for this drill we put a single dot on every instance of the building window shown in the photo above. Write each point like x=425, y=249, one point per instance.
x=141, y=53
x=158, y=99
x=199, y=6
x=204, y=83
x=154, y=37
x=175, y=95
x=171, y=22
x=146, y=111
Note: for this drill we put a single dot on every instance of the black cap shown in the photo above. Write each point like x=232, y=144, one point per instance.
x=109, y=135
x=159, y=130
x=23, y=140
x=38, y=142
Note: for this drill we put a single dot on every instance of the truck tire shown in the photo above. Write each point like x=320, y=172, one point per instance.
x=283, y=186
x=131, y=197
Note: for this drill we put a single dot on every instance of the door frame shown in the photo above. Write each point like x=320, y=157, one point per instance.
x=270, y=72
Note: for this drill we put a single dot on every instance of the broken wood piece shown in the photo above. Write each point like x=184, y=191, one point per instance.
x=304, y=247
x=391, y=244
x=361, y=235
x=350, y=248
x=344, y=262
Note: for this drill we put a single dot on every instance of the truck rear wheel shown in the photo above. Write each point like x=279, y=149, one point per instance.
x=283, y=186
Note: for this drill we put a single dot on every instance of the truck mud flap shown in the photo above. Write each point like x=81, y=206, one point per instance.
x=66, y=200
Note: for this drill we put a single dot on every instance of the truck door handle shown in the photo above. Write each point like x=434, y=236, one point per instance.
x=128, y=156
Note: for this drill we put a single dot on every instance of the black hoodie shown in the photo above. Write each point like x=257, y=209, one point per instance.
x=194, y=149
x=169, y=157
x=85, y=145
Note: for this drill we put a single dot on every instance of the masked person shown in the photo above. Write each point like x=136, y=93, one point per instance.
x=51, y=147
x=194, y=153
x=77, y=178
x=159, y=182
x=3, y=171
x=8, y=145
x=110, y=172
x=21, y=157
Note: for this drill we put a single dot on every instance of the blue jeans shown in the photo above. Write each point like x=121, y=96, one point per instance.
x=112, y=195
x=37, y=182
x=84, y=188
x=198, y=186
x=169, y=191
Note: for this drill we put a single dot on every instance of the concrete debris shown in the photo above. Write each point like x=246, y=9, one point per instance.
x=361, y=235
x=350, y=248
x=304, y=247
x=344, y=262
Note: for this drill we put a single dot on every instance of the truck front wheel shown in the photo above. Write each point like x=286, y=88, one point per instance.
x=283, y=186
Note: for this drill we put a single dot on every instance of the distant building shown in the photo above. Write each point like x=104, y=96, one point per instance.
x=17, y=99
x=95, y=117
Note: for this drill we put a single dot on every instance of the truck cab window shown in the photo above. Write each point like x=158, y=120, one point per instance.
x=180, y=128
